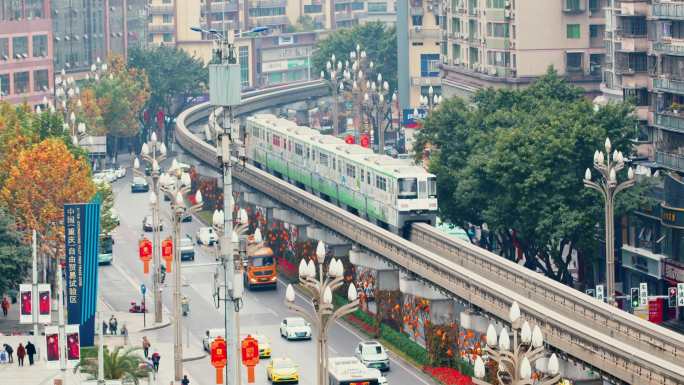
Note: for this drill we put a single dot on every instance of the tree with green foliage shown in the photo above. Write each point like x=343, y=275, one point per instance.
x=378, y=40
x=119, y=364
x=15, y=256
x=105, y=195
x=515, y=160
x=175, y=79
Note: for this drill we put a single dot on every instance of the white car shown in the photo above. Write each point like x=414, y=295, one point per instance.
x=110, y=175
x=373, y=355
x=206, y=236
x=120, y=172
x=209, y=337
x=295, y=328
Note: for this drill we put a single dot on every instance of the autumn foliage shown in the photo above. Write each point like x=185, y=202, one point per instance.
x=43, y=179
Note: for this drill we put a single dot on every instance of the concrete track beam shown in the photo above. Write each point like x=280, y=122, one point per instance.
x=260, y=200
x=289, y=216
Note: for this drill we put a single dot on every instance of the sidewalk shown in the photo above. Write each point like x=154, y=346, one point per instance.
x=39, y=374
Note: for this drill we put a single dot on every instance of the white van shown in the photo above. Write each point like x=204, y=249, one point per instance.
x=209, y=337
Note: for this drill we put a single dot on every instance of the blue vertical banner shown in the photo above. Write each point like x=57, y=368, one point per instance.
x=81, y=237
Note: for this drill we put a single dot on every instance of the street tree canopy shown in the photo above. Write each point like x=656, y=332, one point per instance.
x=515, y=160
x=15, y=256
x=378, y=40
x=175, y=78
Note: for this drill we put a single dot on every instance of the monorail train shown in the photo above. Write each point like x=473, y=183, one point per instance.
x=392, y=193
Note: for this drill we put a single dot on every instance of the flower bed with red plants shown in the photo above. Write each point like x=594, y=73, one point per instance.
x=287, y=268
x=448, y=376
x=368, y=329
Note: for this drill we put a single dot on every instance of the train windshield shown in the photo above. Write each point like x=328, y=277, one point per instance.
x=408, y=188
x=432, y=187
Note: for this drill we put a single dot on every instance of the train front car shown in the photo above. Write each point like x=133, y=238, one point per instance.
x=416, y=197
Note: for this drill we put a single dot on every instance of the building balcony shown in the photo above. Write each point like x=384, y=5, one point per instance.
x=633, y=44
x=422, y=33
x=161, y=28
x=224, y=6
x=670, y=122
x=669, y=46
x=268, y=3
x=161, y=9
x=498, y=43
x=270, y=20
x=670, y=10
x=633, y=8
x=669, y=85
x=417, y=11
x=670, y=160
x=420, y=81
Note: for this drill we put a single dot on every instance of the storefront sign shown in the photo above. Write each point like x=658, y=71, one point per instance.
x=673, y=270
x=81, y=238
x=672, y=217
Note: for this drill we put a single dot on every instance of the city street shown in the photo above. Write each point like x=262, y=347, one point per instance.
x=262, y=311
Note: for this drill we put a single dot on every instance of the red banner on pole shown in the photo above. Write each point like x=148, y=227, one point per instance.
x=145, y=250
x=167, y=253
x=250, y=356
x=219, y=357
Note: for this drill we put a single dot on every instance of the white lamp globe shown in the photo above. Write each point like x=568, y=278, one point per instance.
x=153, y=137
x=198, y=197
x=162, y=149
x=552, y=365
x=479, y=368
x=504, y=342
x=290, y=293
x=327, y=296
x=136, y=163
x=144, y=149
x=303, y=268
x=514, y=312
x=244, y=219
x=351, y=293
x=320, y=251
x=215, y=218
x=491, y=336
x=537, y=337
x=185, y=179
x=257, y=236
x=311, y=269
x=526, y=333
x=525, y=368
x=179, y=199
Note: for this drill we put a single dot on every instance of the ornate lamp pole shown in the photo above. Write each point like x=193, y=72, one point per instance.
x=377, y=106
x=334, y=69
x=324, y=314
x=176, y=184
x=153, y=153
x=608, y=186
x=515, y=366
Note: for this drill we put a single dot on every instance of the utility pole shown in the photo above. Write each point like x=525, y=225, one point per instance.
x=34, y=288
x=62, y=333
x=403, y=55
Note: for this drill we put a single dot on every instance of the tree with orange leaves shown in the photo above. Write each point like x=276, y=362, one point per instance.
x=43, y=179
x=89, y=112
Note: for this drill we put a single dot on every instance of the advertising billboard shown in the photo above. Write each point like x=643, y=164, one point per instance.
x=25, y=304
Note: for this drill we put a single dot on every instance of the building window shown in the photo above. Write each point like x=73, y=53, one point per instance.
x=573, y=61
x=40, y=46
x=167, y=38
x=21, y=82
x=262, y=11
x=357, y=6
x=20, y=47
x=4, y=48
x=167, y=19
x=499, y=58
x=572, y=4
x=498, y=29
x=376, y=7
x=496, y=3
x=34, y=9
x=4, y=84
x=317, y=8
x=573, y=31
x=455, y=25
x=243, y=57
x=429, y=65
x=166, y=1
x=639, y=96
x=456, y=51
x=595, y=31
x=425, y=90
x=594, y=5
x=40, y=80
x=417, y=20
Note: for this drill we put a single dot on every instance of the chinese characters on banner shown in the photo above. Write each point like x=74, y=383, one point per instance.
x=81, y=237
x=25, y=304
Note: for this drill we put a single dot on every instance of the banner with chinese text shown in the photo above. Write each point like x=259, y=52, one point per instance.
x=81, y=236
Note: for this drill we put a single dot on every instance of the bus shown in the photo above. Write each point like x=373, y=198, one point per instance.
x=260, y=267
x=350, y=371
x=105, y=255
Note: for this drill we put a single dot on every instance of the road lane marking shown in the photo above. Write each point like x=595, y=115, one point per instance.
x=397, y=360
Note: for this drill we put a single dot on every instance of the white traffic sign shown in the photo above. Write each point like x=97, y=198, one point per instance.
x=599, y=293
x=680, y=294
x=643, y=294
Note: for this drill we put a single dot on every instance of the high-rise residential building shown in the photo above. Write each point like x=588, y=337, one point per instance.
x=424, y=48
x=170, y=21
x=90, y=29
x=26, y=69
x=509, y=43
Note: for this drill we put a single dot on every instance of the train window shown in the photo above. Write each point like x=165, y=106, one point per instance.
x=323, y=158
x=334, y=166
x=362, y=176
x=308, y=153
x=408, y=188
x=285, y=143
x=351, y=171
x=432, y=187
x=298, y=149
x=369, y=178
x=381, y=183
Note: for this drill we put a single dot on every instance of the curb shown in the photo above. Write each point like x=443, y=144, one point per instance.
x=155, y=327
x=194, y=357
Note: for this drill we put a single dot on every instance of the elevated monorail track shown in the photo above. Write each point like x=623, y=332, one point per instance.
x=616, y=343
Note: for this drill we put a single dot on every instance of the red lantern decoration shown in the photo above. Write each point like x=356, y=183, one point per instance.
x=250, y=356
x=145, y=250
x=167, y=253
x=219, y=357
x=365, y=140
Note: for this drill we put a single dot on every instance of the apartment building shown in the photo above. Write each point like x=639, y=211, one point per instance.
x=169, y=21
x=425, y=38
x=509, y=43
x=26, y=69
x=90, y=29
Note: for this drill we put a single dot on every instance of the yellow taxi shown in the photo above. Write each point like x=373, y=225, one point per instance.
x=264, y=346
x=281, y=370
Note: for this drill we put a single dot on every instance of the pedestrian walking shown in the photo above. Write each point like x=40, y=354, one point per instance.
x=30, y=351
x=9, y=351
x=113, y=325
x=185, y=380
x=155, y=361
x=5, y=306
x=21, y=353
x=146, y=346
x=104, y=328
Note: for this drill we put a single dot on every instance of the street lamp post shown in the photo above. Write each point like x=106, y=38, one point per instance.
x=515, y=365
x=334, y=69
x=176, y=184
x=377, y=105
x=154, y=153
x=324, y=313
x=608, y=166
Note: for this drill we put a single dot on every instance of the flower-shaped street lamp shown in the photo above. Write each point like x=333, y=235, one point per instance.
x=515, y=362
x=154, y=153
x=608, y=166
x=324, y=313
x=176, y=184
